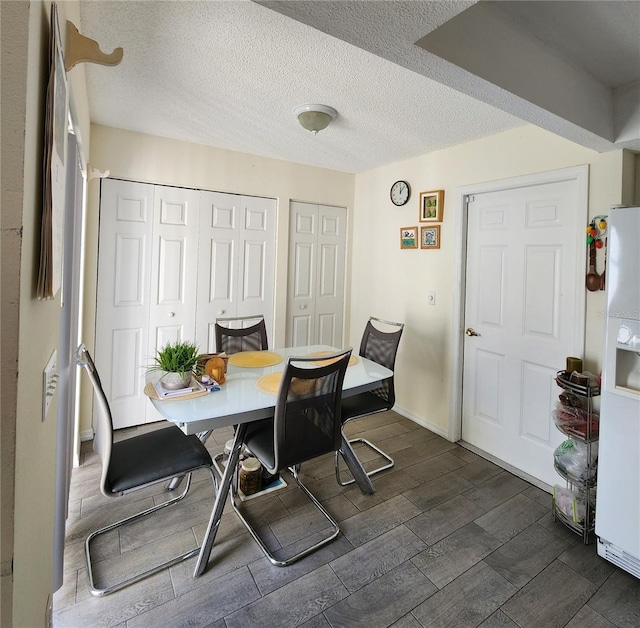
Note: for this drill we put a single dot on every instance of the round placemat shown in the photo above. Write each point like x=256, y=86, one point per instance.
x=352, y=360
x=255, y=359
x=269, y=383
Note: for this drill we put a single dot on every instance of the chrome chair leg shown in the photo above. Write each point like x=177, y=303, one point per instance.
x=388, y=465
x=288, y=561
x=149, y=572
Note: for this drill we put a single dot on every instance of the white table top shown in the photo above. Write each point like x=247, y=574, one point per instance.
x=239, y=401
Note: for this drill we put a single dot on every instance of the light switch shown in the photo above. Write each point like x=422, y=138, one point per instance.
x=431, y=297
x=49, y=382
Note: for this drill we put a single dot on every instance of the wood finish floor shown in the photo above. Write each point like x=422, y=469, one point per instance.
x=448, y=540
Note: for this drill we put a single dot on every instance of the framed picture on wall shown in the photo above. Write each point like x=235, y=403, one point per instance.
x=431, y=206
x=409, y=237
x=430, y=237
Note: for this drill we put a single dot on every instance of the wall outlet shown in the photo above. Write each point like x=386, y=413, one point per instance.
x=49, y=382
x=431, y=297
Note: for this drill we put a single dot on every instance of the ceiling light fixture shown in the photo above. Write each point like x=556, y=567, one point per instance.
x=314, y=118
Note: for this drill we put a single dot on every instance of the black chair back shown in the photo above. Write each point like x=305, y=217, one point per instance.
x=381, y=347
x=307, y=421
x=233, y=340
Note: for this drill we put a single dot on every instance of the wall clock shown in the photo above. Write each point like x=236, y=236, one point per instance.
x=399, y=193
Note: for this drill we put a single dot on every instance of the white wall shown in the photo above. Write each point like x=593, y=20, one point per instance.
x=152, y=159
x=30, y=328
x=393, y=283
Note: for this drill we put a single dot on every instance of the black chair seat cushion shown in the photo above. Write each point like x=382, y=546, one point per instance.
x=306, y=440
x=154, y=456
x=362, y=404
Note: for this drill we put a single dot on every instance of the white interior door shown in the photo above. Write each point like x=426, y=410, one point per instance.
x=122, y=312
x=315, y=296
x=236, y=261
x=524, y=247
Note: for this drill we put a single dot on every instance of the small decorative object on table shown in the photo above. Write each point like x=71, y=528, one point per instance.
x=177, y=362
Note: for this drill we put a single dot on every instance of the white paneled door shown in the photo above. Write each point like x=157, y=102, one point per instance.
x=523, y=317
x=315, y=297
x=170, y=260
x=236, y=259
x=123, y=295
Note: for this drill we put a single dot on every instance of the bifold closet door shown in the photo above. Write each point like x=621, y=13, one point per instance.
x=146, y=287
x=122, y=304
x=315, y=297
x=236, y=261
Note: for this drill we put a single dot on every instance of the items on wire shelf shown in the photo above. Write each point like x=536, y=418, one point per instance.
x=576, y=459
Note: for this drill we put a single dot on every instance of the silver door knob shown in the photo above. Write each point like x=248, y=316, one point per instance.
x=303, y=307
x=471, y=332
x=171, y=314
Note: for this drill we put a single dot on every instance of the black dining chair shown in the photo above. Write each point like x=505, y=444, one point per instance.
x=306, y=425
x=138, y=462
x=380, y=346
x=239, y=334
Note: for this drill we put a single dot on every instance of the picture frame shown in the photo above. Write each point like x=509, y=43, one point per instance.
x=409, y=237
x=430, y=237
x=431, y=206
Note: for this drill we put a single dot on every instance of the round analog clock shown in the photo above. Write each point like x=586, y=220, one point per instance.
x=400, y=192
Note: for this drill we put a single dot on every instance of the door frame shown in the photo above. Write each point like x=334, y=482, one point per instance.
x=579, y=174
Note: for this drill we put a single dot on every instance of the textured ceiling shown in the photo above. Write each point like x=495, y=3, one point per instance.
x=230, y=73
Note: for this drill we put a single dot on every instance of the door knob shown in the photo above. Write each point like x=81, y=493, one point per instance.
x=471, y=332
x=303, y=307
x=171, y=314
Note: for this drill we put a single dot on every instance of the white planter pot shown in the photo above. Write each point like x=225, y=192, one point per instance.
x=175, y=381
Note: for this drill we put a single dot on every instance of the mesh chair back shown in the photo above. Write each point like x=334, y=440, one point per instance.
x=382, y=347
x=307, y=420
x=103, y=427
x=250, y=338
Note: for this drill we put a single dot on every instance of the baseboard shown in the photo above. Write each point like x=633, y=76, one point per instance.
x=506, y=466
x=432, y=427
x=86, y=435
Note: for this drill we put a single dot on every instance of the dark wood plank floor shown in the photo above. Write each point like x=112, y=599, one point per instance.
x=447, y=540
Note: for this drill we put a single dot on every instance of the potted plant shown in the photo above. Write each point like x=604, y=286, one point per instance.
x=178, y=362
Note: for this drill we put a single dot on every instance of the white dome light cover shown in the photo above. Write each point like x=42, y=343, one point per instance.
x=314, y=118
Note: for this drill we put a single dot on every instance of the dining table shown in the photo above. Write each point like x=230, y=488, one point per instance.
x=240, y=400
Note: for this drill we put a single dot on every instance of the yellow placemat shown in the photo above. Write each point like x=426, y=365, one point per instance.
x=270, y=384
x=352, y=360
x=151, y=392
x=255, y=359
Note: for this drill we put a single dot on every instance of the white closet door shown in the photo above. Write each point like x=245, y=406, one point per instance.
x=171, y=260
x=256, y=236
x=301, y=329
x=122, y=308
x=174, y=267
x=236, y=261
x=329, y=306
x=315, y=297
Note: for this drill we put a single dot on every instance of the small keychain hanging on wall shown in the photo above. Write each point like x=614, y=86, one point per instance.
x=596, y=239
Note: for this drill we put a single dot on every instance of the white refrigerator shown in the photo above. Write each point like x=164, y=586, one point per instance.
x=618, y=497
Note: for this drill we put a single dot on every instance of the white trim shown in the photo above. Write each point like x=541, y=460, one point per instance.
x=86, y=435
x=579, y=174
x=432, y=427
x=506, y=466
